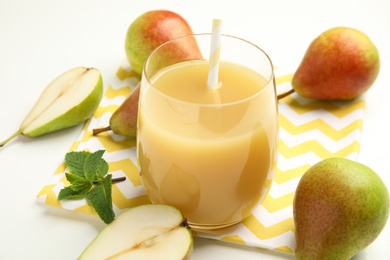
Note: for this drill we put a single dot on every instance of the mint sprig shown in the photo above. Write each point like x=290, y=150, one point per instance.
x=88, y=179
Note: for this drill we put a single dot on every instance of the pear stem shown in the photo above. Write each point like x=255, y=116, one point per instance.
x=11, y=137
x=113, y=180
x=280, y=96
x=185, y=224
x=97, y=131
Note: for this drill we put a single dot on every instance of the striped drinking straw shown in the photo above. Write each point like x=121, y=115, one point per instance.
x=212, y=80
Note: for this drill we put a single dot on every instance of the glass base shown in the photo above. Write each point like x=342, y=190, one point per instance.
x=206, y=227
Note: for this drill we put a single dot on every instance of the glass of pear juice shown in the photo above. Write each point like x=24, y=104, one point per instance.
x=210, y=152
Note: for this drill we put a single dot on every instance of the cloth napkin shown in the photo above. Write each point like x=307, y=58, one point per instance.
x=310, y=131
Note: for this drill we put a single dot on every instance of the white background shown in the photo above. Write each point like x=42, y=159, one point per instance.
x=41, y=39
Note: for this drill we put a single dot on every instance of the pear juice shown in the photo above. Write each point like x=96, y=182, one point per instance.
x=209, y=152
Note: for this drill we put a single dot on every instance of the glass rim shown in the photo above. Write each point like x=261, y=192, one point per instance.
x=268, y=84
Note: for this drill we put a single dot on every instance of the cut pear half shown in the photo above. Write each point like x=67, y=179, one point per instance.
x=68, y=100
x=149, y=231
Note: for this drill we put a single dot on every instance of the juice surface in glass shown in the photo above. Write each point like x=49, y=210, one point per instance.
x=208, y=152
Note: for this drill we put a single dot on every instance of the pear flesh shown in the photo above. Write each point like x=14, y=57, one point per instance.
x=340, y=207
x=68, y=100
x=151, y=231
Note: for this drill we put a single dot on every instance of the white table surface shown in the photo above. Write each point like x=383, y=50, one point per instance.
x=41, y=39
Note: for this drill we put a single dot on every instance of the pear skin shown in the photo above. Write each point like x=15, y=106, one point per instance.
x=340, y=207
x=340, y=64
x=124, y=120
x=154, y=28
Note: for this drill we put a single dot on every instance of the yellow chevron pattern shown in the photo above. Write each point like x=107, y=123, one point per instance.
x=321, y=126
x=310, y=131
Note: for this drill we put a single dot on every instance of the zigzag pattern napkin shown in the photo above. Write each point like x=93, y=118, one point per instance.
x=310, y=131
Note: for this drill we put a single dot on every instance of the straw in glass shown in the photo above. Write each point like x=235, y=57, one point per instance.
x=215, y=47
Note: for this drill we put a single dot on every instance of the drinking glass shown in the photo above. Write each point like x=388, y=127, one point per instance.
x=210, y=152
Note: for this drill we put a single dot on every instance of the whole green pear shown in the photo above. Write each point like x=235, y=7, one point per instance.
x=124, y=120
x=153, y=28
x=340, y=64
x=340, y=207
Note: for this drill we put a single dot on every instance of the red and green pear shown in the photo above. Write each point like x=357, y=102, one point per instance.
x=154, y=28
x=340, y=207
x=146, y=33
x=340, y=64
x=124, y=120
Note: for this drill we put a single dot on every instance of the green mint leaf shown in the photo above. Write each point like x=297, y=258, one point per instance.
x=101, y=200
x=73, y=177
x=78, y=183
x=91, y=165
x=88, y=179
x=75, y=162
x=102, y=168
x=68, y=193
x=81, y=185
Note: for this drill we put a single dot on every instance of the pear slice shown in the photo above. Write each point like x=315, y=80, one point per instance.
x=68, y=100
x=149, y=231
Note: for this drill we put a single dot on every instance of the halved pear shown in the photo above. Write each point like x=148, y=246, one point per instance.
x=149, y=231
x=68, y=100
